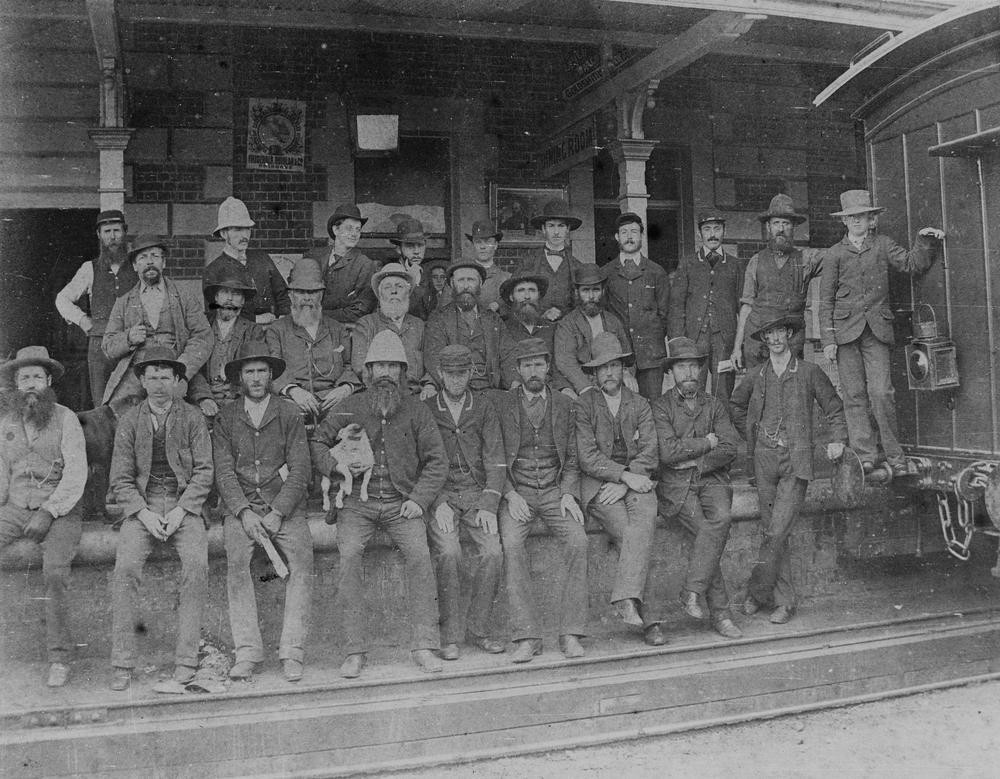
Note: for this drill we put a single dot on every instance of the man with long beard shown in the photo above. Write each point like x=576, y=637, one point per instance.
x=102, y=281
x=393, y=286
x=697, y=444
x=617, y=445
x=464, y=321
x=316, y=348
x=409, y=472
x=775, y=284
x=155, y=312
x=253, y=441
x=43, y=470
x=522, y=296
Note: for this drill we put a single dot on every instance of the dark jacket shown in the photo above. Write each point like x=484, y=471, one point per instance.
x=854, y=288
x=443, y=328
x=261, y=273
x=682, y=436
x=201, y=388
x=477, y=435
x=572, y=345
x=315, y=366
x=698, y=290
x=189, y=452
x=558, y=294
x=349, y=295
x=747, y=406
x=248, y=459
x=595, y=438
x=418, y=466
x=639, y=295
x=545, y=330
x=563, y=414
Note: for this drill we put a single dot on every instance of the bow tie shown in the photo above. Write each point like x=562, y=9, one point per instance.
x=555, y=253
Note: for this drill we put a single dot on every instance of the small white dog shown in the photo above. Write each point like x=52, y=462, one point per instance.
x=352, y=449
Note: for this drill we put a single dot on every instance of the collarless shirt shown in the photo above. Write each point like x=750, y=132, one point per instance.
x=596, y=324
x=614, y=402
x=256, y=410
x=152, y=301
x=454, y=406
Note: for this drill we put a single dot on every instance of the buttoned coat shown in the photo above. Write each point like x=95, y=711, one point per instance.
x=595, y=438
x=477, y=436
x=810, y=383
x=682, y=436
x=349, y=294
x=698, y=290
x=536, y=263
x=194, y=338
x=573, y=343
x=248, y=459
x=188, y=449
x=854, y=287
x=640, y=295
x=563, y=413
x=443, y=329
x=315, y=366
x=413, y=447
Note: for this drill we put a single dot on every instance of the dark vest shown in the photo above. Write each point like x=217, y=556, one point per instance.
x=619, y=450
x=106, y=289
x=780, y=291
x=475, y=339
x=380, y=485
x=161, y=475
x=537, y=463
x=772, y=424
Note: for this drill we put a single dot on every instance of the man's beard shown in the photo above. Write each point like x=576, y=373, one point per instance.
x=35, y=408
x=384, y=396
x=226, y=313
x=534, y=384
x=591, y=308
x=395, y=308
x=114, y=255
x=527, y=312
x=781, y=244
x=465, y=300
x=611, y=385
x=152, y=276
x=688, y=388
x=246, y=390
x=305, y=314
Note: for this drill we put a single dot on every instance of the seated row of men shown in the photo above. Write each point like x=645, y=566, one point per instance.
x=462, y=464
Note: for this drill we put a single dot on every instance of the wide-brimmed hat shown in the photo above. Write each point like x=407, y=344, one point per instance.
x=467, y=264
x=510, y=284
x=589, y=275
x=484, y=228
x=704, y=217
x=856, y=201
x=344, y=211
x=409, y=231
x=790, y=320
x=158, y=354
x=391, y=269
x=386, y=346
x=232, y=213
x=306, y=276
x=109, y=216
x=249, y=352
x=605, y=348
x=228, y=281
x=455, y=357
x=556, y=209
x=531, y=347
x=145, y=242
x=31, y=355
x=682, y=348
x=782, y=207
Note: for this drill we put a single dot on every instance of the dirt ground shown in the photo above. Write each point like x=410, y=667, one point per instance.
x=947, y=733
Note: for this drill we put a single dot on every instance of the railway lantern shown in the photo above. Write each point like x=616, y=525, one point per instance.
x=931, y=359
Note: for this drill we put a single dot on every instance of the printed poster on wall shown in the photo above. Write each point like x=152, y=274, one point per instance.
x=276, y=134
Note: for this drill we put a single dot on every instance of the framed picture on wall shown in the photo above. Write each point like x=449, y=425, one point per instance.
x=513, y=207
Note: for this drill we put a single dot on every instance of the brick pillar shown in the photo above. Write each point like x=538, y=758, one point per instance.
x=111, y=143
x=631, y=155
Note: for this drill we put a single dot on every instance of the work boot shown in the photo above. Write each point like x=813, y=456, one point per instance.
x=427, y=661
x=750, y=606
x=242, y=671
x=184, y=673
x=627, y=612
x=570, y=646
x=689, y=602
x=726, y=628
x=654, y=636
x=489, y=645
x=526, y=649
x=351, y=667
x=449, y=652
x=782, y=614
x=292, y=669
x=58, y=675
x=120, y=678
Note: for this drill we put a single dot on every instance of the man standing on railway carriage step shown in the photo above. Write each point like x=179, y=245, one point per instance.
x=467, y=507
x=409, y=473
x=554, y=260
x=638, y=291
x=697, y=444
x=43, y=471
x=616, y=441
x=253, y=267
x=485, y=239
x=773, y=409
x=102, y=281
x=346, y=271
x=856, y=322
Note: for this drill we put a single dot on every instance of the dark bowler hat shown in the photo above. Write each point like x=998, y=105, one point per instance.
x=484, y=228
x=531, y=347
x=507, y=288
x=434, y=262
x=782, y=207
x=681, y=348
x=629, y=218
x=704, y=217
x=790, y=321
x=31, y=355
x=467, y=264
x=588, y=276
x=455, y=357
x=145, y=242
x=213, y=285
x=107, y=217
x=556, y=209
x=158, y=354
x=409, y=231
x=249, y=352
x=344, y=211
x=605, y=348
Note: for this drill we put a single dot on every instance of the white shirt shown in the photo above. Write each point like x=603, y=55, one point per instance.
x=455, y=407
x=159, y=413
x=625, y=259
x=554, y=260
x=152, y=301
x=596, y=324
x=614, y=403
x=256, y=410
x=225, y=328
x=81, y=284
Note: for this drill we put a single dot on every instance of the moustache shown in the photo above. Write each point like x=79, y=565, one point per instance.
x=220, y=307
